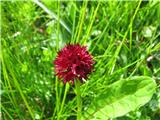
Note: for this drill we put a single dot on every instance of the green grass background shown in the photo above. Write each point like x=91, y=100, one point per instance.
x=123, y=37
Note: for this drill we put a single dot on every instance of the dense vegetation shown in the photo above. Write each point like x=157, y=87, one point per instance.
x=123, y=37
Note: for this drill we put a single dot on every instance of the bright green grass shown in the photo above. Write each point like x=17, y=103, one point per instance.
x=122, y=36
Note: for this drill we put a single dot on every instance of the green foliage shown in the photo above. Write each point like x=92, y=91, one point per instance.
x=121, y=97
x=123, y=36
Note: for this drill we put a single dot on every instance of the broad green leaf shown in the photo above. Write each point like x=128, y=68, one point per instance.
x=120, y=98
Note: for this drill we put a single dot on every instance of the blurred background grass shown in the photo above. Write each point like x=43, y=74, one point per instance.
x=124, y=38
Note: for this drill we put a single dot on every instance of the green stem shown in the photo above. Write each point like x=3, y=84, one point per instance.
x=58, y=27
x=63, y=101
x=57, y=96
x=79, y=104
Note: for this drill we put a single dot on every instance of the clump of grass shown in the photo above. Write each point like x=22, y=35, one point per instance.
x=122, y=36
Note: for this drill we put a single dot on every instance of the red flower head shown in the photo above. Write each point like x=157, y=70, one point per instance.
x=73, y=62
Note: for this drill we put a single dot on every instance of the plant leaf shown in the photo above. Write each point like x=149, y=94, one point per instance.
x=52, y=14
x=121, y=97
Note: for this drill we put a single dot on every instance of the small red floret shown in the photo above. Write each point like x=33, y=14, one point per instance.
x=73, y=62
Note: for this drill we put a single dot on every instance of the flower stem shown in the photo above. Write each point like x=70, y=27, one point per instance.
x=79, y=104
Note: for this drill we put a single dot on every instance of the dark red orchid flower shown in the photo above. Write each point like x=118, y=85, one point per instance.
x=73, y=63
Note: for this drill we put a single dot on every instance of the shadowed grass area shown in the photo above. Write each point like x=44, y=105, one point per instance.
x=123, y=37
